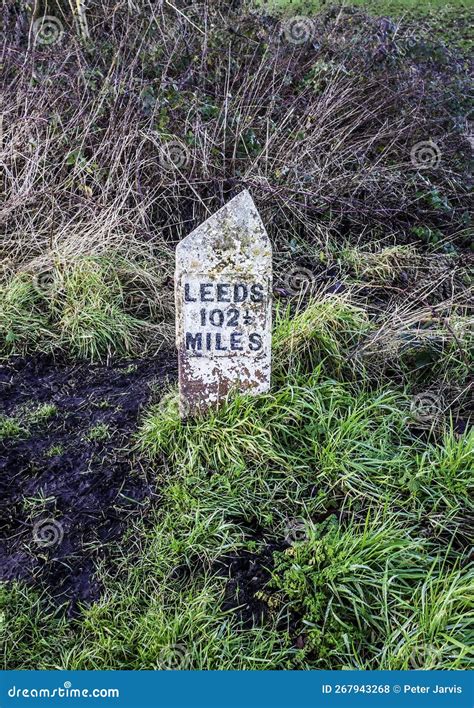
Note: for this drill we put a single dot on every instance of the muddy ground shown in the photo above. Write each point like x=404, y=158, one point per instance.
x=69, y=484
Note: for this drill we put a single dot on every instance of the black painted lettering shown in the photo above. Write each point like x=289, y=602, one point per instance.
x=204, y=292
x=218, y=344
x=223, y=292
x=232, y=317
x=187, y=294
x=193, y=341
x=255, y=342
x=234, y=341
x=256, y=293
x=216, y=318
x=240, y=292
x=208, y=341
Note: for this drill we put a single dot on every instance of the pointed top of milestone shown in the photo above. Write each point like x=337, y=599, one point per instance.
x=234, y=232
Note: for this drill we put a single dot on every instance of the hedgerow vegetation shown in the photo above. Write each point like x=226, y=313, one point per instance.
x=327, y=523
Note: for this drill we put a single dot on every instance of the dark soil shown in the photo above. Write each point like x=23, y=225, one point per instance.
x=248, y=596
x=248, y=573
x=66, y=492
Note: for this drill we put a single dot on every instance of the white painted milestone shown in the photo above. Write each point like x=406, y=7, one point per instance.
x=223, y=286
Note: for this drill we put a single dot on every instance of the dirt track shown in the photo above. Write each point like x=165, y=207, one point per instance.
x=60, y=476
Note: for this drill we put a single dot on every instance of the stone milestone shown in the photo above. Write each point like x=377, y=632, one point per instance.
x=223, y=285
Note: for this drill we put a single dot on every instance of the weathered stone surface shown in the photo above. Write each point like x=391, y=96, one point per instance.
x=223, y=286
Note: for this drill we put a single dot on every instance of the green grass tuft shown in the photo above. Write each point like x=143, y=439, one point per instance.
x=98, y=432
x=90, y=311
x=84, y=306
x=23, y=320
x=326, y=330
x=367, y=595
x=10, y=428
x=41, y=414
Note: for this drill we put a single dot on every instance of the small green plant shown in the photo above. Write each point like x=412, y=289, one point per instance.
x=55, y=451
x=428, y=235
x=84, y=305
x=41, y=414
x=321, y=74
x=10, y=428
x=103, y=404
x=99, y=432
x=91, y=312
x=448, y=467
x=34, y=506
